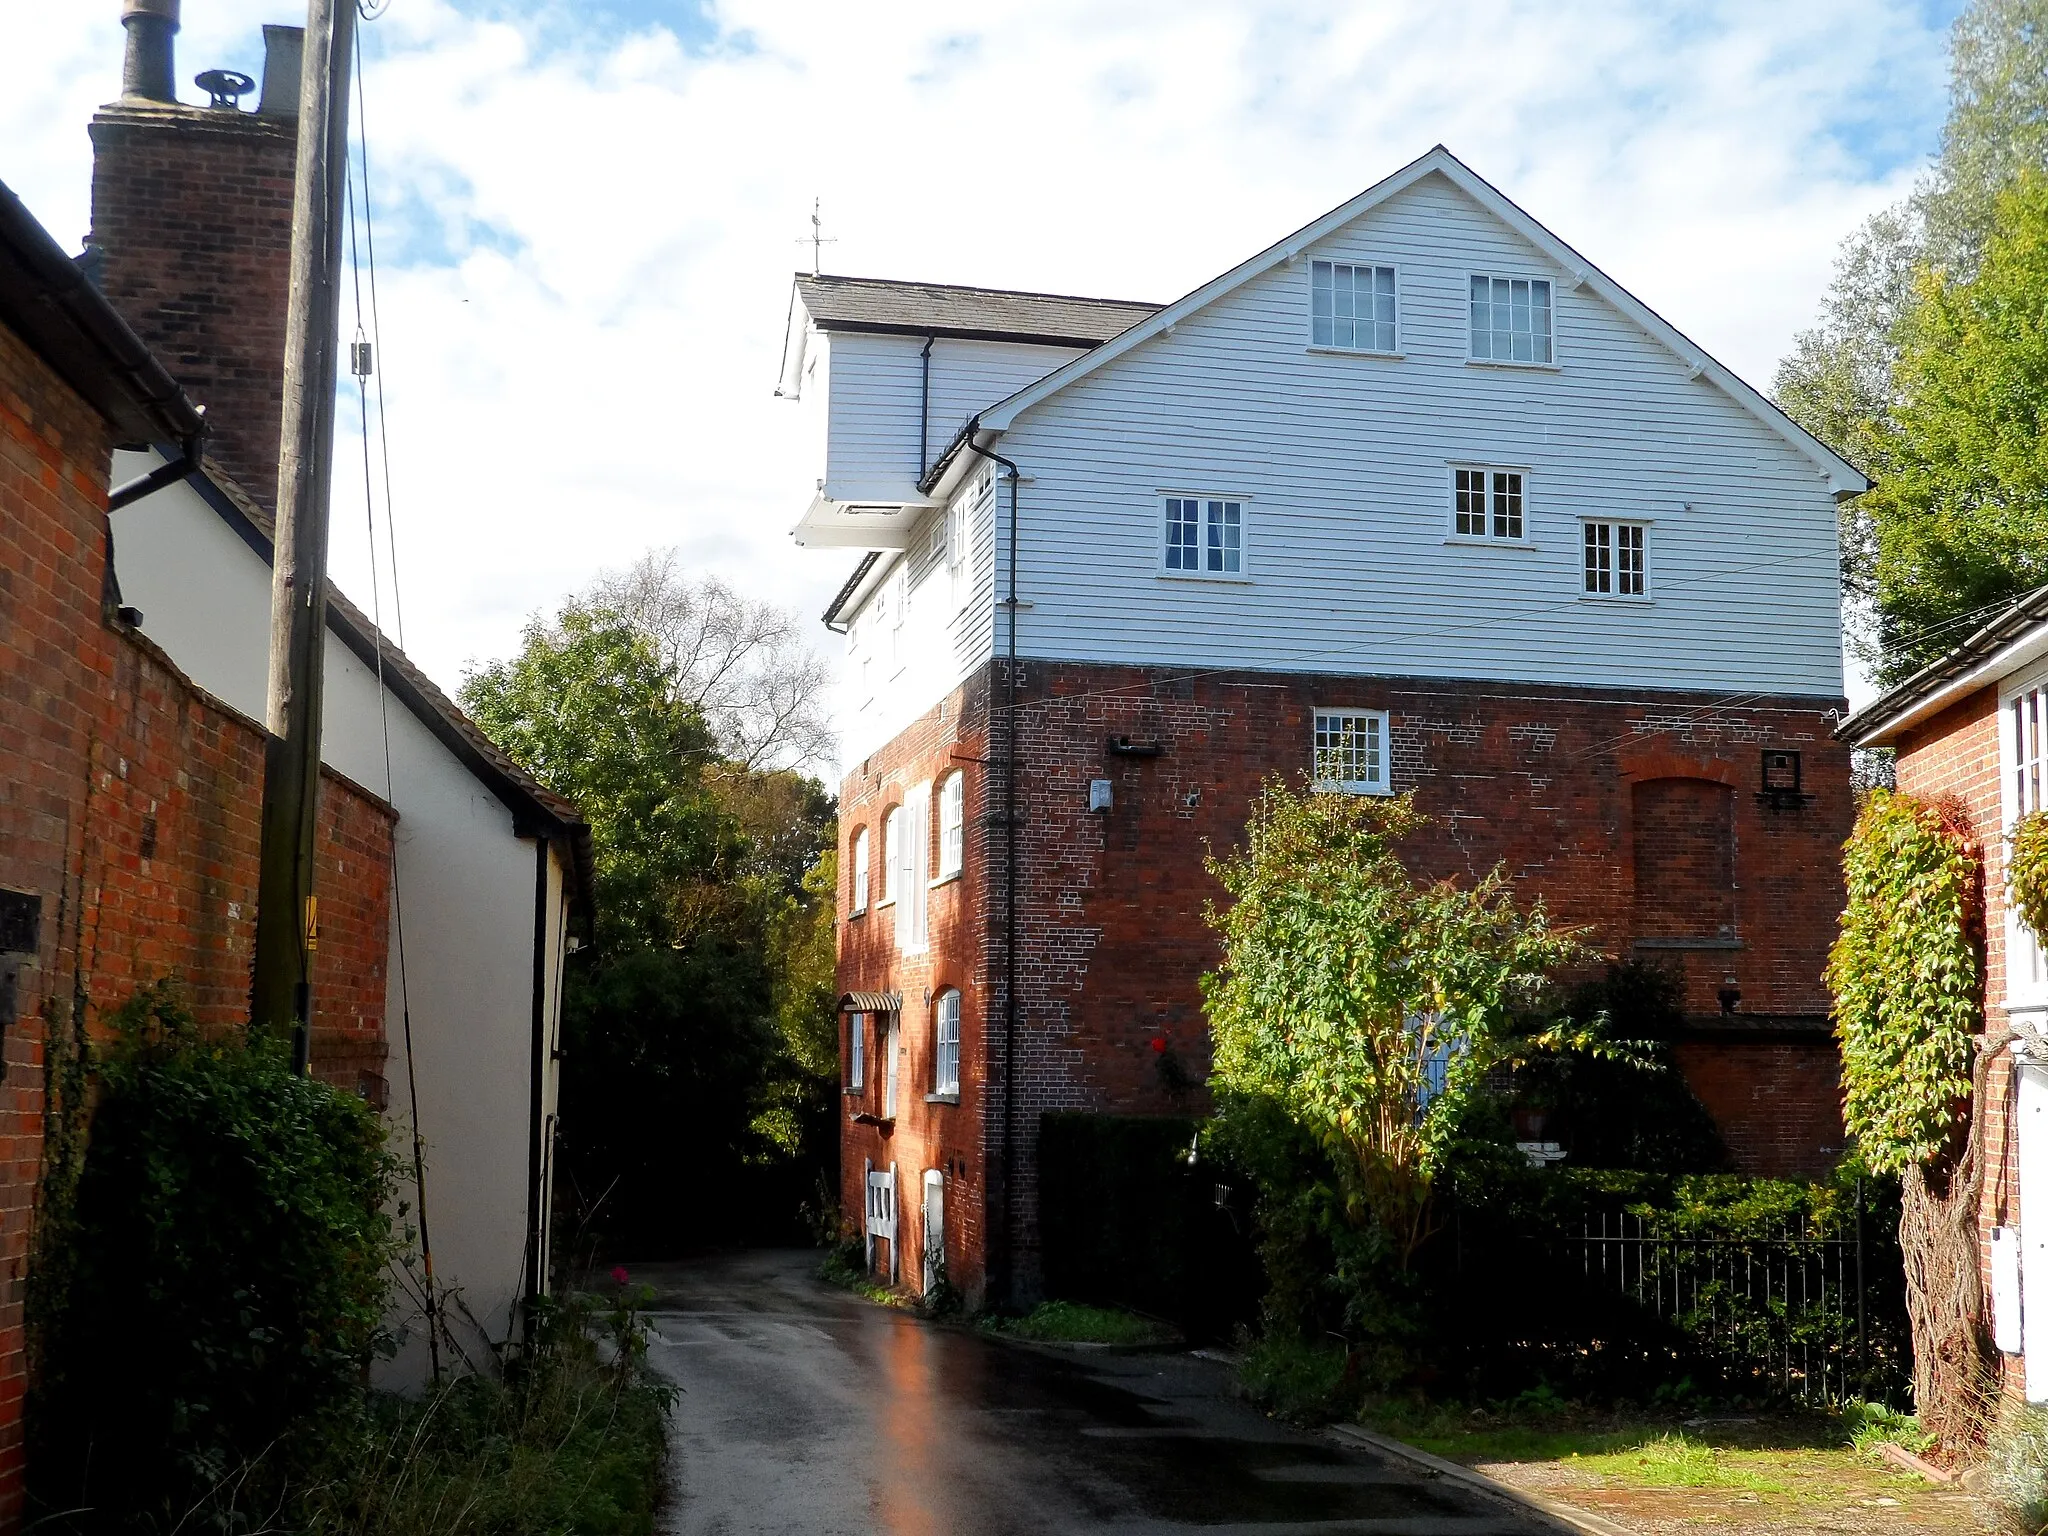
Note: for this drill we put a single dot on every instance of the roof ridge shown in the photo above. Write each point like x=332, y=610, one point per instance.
x=1008, y=293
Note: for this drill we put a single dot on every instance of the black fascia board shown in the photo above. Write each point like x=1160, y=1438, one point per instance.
x=963, y=333
x=71, y=326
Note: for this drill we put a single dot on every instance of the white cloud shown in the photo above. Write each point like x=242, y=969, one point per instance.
x=587, y=238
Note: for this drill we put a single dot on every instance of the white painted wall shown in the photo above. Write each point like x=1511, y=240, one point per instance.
x=465, y=884
x=1344, y=465
x=1344, y=461
x=892, y=674
x=875, y=392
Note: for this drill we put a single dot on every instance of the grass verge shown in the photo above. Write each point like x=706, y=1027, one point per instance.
x=1071, y=1322
x=845, y=1266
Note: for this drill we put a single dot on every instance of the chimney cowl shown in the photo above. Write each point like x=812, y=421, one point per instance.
x=146, y=67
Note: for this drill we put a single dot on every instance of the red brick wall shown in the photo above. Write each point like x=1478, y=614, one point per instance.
x=191, y=226
x=1560, y=784
x=128, y=808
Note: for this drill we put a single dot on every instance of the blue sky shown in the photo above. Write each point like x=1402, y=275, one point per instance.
x=590, y=208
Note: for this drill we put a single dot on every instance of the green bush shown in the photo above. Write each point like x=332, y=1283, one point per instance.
x=2016, y=1472
x=1072, y=1322
x=1303, y=1381
x=216, y=1275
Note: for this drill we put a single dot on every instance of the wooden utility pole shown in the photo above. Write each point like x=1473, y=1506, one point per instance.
x=287, y=928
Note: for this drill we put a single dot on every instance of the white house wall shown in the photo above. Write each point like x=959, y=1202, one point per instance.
x=1344, y=463
x=889, y=680
x=876, y=391
x=466, y=886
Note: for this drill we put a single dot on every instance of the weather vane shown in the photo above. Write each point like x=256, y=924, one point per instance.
x=817, y=239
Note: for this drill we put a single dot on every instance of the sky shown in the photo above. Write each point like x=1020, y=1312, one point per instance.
x=588, y=213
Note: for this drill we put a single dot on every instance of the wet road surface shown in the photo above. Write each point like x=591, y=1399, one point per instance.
x=806, y=1412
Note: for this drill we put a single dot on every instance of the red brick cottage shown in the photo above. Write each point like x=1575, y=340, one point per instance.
x=1974, y=726
x=128, y=794
x=1415, y=499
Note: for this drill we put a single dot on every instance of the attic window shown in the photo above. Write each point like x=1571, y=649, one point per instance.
x=1352, y=307
x=1511, y=320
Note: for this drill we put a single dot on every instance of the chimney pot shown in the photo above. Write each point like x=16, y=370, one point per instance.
x=146, y=72
x=284, y=50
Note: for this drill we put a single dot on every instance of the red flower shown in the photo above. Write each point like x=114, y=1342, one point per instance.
x=1159, y=1044
x=619, y=1275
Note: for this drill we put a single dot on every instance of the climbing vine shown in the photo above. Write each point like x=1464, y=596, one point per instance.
x=1905, y=979
x=2027, y=871
x=1907, y=985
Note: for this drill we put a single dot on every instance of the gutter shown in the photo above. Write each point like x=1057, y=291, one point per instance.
x=2010, y=640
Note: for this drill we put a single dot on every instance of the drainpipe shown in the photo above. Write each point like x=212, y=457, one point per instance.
x=1007, y=1228
x=924, y=409
x=187, y=464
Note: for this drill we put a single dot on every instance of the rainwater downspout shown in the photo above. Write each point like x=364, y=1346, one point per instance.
x=1008, y=1227
x=924, y=409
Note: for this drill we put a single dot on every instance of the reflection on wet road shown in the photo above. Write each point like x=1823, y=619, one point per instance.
x=808, y=1413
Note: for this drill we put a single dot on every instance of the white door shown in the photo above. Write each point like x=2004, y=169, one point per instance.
x=890, y=1051
x=934, y=1226
x=2033, y=1134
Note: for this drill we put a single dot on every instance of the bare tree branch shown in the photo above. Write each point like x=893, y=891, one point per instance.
x=745, y=665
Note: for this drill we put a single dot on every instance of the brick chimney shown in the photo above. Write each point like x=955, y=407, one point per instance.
x=191, y=234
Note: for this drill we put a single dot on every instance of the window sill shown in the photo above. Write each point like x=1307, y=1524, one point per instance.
x=856, y=912
x=886, y=901
x=1481, y=541
x=1373, y=352
x=880, y=1122
x=1683, y=944
x=1333, y=787
x=944, y=880
x=1618, y=599
x=854, y=1092
x=1508, y=362
x=942, y=1098
x=1219, y=578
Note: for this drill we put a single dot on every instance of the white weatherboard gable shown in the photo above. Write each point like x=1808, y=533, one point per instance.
x=1345, y=462
x=1572, y=269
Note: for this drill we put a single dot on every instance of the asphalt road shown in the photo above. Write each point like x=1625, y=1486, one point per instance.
x=806, y=1412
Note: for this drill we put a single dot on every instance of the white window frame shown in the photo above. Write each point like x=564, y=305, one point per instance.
x=913, y=881
x=946, y=1043
x=956, y=552
x=1208, y=506
x=858, y=897
x=901, y=609
x=1615, y=568
x=892, y=853
x=1355, y=266
x=1375, y=723
x=1472, y=331
x=1491, y=509
x=856, y=1052
x=952, y=825
x=2023, y=773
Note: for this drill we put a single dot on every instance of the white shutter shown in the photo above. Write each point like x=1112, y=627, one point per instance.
x=2031, y=1091
x=914, y=875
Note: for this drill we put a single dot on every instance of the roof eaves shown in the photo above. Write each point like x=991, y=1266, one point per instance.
x=72, y=326
x=840, y=599
x=1895, y=708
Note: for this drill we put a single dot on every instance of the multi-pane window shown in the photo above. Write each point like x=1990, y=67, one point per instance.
x=1351, y=751
x=1204, y=535
x=2026, y=756
x=856, y=1051
x=1487, y=503
x=952, y=824
x=913, y=874
x=859, y=903
x=1614, y=564
x=892, y=851
x=1351, y=307
x=1511, y=319
x=946, y=1035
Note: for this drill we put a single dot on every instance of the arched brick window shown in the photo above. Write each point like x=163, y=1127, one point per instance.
x=1684, y=859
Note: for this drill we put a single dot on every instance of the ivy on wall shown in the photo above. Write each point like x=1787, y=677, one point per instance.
x=1906, y=980
x=2026, y=873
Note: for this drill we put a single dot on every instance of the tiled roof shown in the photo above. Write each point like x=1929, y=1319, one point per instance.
x=944, y=309
x=1878, y=718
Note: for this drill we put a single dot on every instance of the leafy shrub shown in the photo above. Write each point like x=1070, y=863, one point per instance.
x=223, y=1267
x=2016, y=1472
x=2026, y=871
x=1869, y=1425
x=1305, y=1381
